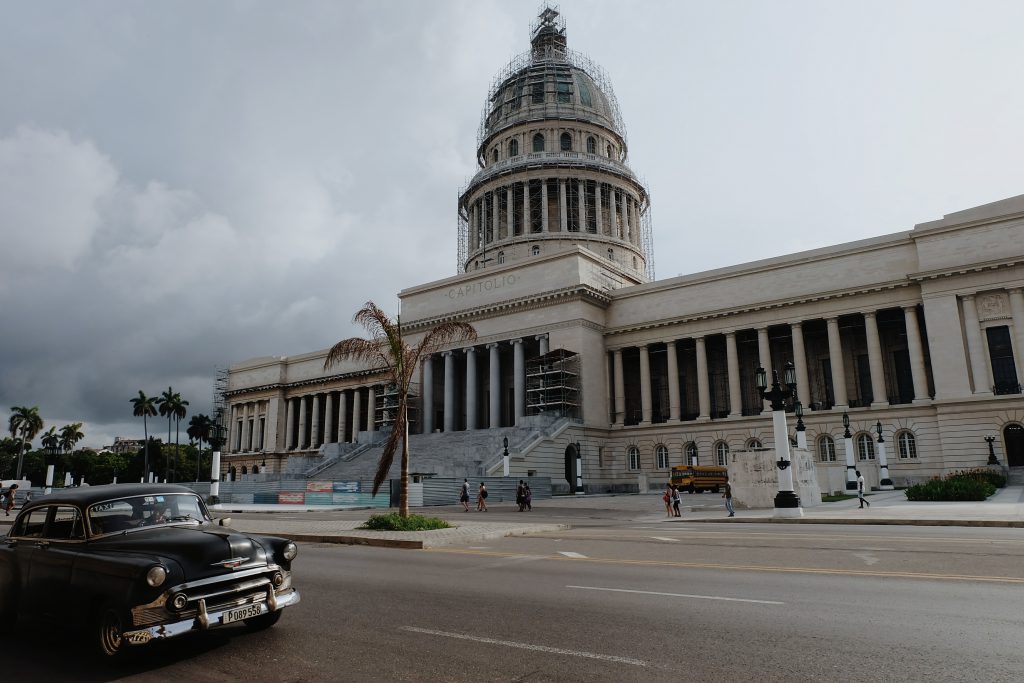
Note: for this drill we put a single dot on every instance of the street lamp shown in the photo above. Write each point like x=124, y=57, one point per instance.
x=801, y=430
x=787, y=503
x=579, y=470
x=851, y=470
x=217, y=438
x=990, y=440
x=53, y=448
x=504, y=456
x=884, y=482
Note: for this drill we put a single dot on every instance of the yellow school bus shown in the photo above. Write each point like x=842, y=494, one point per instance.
x=699, y=478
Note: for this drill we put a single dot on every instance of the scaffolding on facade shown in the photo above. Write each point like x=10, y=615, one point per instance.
x=386, y=410
x=553, y=384
x=220, y=401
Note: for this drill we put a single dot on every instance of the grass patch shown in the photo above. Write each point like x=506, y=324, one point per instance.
x=836, y=498
x=392, y=521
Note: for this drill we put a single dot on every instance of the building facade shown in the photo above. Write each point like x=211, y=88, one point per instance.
x=920, y=333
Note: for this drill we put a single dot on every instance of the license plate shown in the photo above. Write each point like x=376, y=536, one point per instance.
x=138, y=637
x=247, y=612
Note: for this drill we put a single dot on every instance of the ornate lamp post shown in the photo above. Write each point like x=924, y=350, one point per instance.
x=990, y=440
x=52, y=449
x=579, y=470
x=884, y=482
x=787, y=503
x=504, y=456
x=801, y=430
x=217, y=438
x=851, y=470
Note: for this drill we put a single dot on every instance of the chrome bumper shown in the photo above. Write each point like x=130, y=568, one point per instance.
x=205, y=620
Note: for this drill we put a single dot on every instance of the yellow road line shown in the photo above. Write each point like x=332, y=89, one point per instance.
x=743, y=567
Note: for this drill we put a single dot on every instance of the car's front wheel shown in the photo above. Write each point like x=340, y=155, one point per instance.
x=108, y=630
x=263, y=621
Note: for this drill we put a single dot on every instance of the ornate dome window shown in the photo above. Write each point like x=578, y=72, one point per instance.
x=513, y=148
x=566, y=142
x=535, y=250
x=494, y=155
x=609, y=151
x=538, y=142
x=585, y=98
x=591, y=145
x=501, y=257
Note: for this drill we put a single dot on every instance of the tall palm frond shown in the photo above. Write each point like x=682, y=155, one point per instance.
x=24, y=424
x=144, y=406
x=166, y=404
x=70, y=435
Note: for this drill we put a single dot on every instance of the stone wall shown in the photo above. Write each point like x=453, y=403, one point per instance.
x=755, y=478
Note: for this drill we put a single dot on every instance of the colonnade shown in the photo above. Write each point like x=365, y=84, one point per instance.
x=248, y=426
x=338, y=416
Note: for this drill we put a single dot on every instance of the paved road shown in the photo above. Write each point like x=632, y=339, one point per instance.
x=620, y=601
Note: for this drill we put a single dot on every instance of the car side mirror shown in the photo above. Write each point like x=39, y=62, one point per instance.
x=224, y=521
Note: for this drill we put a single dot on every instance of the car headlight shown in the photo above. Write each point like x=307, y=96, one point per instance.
x=289, y=551
x=156, y=576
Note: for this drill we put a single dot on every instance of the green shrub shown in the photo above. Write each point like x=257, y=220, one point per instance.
x=392, y=521
x=952, y=488
x=992, y=477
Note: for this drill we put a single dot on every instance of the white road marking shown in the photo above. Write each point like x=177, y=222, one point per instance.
x=868, y=558
x=663, y=538
x=679, y=595
x=571, y=554
x=528, y=646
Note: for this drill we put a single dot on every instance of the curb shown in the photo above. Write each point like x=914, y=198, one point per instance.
x=408, y=544
x=867, y=522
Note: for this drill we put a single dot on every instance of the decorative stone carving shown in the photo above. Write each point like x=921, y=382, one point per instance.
x=993, y=306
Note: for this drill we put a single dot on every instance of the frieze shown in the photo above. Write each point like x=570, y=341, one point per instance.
x=993, y=306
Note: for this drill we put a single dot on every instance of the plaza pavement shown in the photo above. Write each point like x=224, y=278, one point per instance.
x=319, y=525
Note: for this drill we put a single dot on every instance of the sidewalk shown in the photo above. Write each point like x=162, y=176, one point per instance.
x=333, y=525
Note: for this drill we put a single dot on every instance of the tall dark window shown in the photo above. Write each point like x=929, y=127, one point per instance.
x=513, y=148
x=591, y=146
x=1004, y=370
x=564, y=91
x=537, y=92
x=566, y=142
x=538, y=142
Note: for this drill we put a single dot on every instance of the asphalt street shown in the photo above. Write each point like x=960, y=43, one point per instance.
x=618, y=600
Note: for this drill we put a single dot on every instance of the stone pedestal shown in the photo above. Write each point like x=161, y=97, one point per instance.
x=755, y=478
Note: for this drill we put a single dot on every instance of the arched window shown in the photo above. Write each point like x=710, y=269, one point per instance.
x=501, y=257
x=661, y=456
x=255, y=469
x=232, y=473
x=907, y=445
x=494, y=155
x=634, y=457
x=865, y=447
x=566, y=142
x=513, y=148
x=245, y=470
x=691, y=453
x=827, y=449
x=535, y=250
x=591, y=145
x=634, y=263
x=754, y=443
x=722, y=454
x=538, y=142
x=611, y=254
x=609, y=151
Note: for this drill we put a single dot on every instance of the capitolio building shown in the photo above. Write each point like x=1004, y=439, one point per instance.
x=916, y=337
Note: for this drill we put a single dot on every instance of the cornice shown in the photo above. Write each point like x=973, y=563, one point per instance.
x=953, y=271
x=279, y=386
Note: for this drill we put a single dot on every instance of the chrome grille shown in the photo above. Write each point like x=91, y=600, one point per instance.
x=232, y=591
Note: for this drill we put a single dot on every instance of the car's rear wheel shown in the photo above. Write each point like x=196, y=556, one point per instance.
x=108, y=627
x=263, y=621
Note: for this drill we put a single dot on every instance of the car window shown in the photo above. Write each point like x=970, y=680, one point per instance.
x=32, y=524
x=124, y=514
x=66, y=524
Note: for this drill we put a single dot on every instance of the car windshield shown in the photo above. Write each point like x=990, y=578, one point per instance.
x=133, y=512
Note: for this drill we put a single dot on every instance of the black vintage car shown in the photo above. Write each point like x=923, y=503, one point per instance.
x=132, y=563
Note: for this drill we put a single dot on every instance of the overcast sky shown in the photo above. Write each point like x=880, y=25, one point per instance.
x=184, y=185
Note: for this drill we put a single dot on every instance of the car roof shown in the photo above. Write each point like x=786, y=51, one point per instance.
x=88, y=495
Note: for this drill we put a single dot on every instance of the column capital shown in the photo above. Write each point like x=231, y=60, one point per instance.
x=731, y=334
x=832, y=320
x=469, y=349
x=541, y=336
x=868, y=314
x=908, y=307
x=518, y=340
x=445, y=354
x=799, y=324
x=967, y=297
x=1014, y=290
x=493, y=345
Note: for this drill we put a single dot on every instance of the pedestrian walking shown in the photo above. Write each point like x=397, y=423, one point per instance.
x=860, y=490
x=520, y=496
x=528, y=496
x=8, y=499
x=464, y=495
x=481, y=498
x=667, y=499
x=675, y=501
x=728, y=497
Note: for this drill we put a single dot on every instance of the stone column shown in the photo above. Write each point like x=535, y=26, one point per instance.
x=851, y=460
x=428, y=395
x=542, y=339
x=544, y=205
x=471, y=388
x=764, y=357
x=495, y=215
x=624, y=225
x=879, y=397
x=620, y=390
x=357, y=413
x=563, y=209
x=289, y=425
x=314, y=436
x=371, y=409
x=673, y=376
x=613, y=214
x=645, y=385
x=329, y=417
x=510, y=214
x=976, y=347
x=703, y=390
x=303, y=441
x=342, y=415
x=582, y=185
x=835, y=357
x=248, y=425
x=449, y=391
x=1017, y=309
x=803, y=385
x=494, y=386
x=598, y=222
x=527, y=222
x=519, y=375
x=916, y=352
x=475, y=222
x=733, y=360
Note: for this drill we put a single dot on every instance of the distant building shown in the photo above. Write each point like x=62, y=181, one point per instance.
x=921, y=331
x=124, y=446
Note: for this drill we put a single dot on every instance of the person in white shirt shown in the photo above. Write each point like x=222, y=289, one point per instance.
x=860, y=490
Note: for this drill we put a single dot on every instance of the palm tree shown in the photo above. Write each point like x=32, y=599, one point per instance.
x=166, y=403
x=24, y=424
x=145, y=406
x=388, y=351
x=70, y=435
x=199, y=428
x=179, y=411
